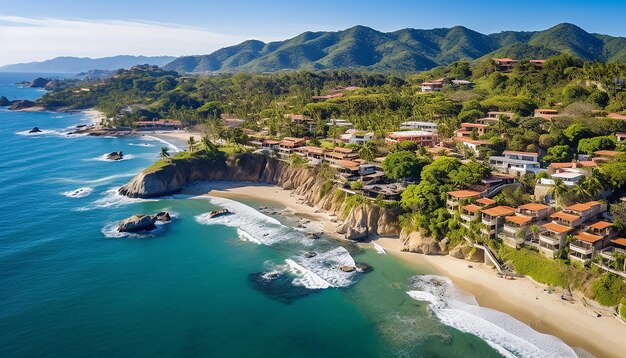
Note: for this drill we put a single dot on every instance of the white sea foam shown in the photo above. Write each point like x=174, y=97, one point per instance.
x=112, y=199
x=379, y=249
x=254, y=225
x=306, y=278
x=78, y=193
x=504, y=333
x=247, y=237
x=103, y=158
x=102, y=180
x=326, y=266
x=147, y=145
x=170, y=145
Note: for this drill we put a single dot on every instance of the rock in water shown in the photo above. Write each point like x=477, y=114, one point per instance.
x=115, y=156
x=347, y=268
x=39, y=82
x=163, y=216
x=35, y=130
x=4, y=101
x=363, y=267
x=137, y=223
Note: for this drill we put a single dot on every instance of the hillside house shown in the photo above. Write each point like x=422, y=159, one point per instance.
x=429, y=127
x=504, y=64
x=546, y=113
x=591, y=240
x=454, y=198
x=353, y=136
x=493, y=219
x=466, y=130
x=518, y=163
x=425, y=139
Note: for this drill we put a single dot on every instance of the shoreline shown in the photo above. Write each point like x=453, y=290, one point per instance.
x=524, y=300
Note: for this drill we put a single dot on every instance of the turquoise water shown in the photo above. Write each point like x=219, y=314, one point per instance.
x=195, y=287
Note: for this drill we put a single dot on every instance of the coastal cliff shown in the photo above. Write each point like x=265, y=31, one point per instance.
x=359, y=222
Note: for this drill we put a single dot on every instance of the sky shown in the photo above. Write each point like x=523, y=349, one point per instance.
x=35, y=30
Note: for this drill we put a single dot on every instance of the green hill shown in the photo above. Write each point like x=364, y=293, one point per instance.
x=403, y=50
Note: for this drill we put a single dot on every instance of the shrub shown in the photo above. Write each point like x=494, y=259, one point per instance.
x=608, y=289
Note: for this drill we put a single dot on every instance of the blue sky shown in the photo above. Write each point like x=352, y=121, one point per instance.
x=40, y=29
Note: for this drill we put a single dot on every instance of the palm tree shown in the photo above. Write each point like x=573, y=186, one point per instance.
x=192, y=144
x=207, y=144
x=165, y=153
x=368, y=151
x=535, y=230
x=558, y=189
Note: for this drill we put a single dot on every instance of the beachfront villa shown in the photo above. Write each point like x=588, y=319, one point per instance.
x=517, y=228
x=512, y=162
x=553, y=238
x=340, y=153
x=455, y=197
x=287, y=146
x=608, y=256
x=588, y=242
x=493, y=219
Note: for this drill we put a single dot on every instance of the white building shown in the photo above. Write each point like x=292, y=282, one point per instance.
x=339, y=123
x=516, y=162
x=353, y=136
x=419, y=126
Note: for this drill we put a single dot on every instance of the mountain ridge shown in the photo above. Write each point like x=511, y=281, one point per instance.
x=70, y=64
x=402, y=50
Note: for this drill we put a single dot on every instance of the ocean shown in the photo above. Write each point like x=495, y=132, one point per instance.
x=235, y=286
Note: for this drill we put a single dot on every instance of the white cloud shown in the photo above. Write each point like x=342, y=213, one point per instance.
x=25, y=39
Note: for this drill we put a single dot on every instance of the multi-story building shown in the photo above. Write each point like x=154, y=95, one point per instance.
x=425, y=139
x=516, y=162
x=467, y=129
x=353, y=136
x=287, y=146
x=591, y=240
x=517, y=229
x=553, y=238
x=469, y=213
x=456, y=197
x=493, y=219
x=587, y=211
x=429, y=127
x=504, y=64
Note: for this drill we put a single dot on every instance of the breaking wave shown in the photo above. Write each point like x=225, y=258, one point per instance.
x=78, y=193
x=379, y=249
x=155, y=139
x=102, y=180
x=508, y=336
x=112, y=199
x=103, y=158
x=317, y=272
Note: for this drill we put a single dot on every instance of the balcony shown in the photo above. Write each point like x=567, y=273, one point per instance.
x=582, y=247
x=609, y=253
x=550, y=238
x=511, y=240
x=580, y=256
x=467, y=218
x=489, y=221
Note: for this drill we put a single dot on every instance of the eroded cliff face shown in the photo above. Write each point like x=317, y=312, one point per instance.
x=359, y=223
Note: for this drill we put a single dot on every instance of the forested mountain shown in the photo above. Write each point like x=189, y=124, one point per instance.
x=68, y=64
x=403, y=50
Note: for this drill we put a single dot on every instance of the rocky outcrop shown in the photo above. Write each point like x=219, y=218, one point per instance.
x=21, y=104
x=359, y=223
x=414, y=241
x=35, y=130
x=115, y=156
x=369, y=220
x=4, y=102
x=137, y=223
x=39, y=82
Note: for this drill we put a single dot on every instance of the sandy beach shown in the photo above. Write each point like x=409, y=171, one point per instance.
x=177, y=138
x=522, y=298
x=96, y=116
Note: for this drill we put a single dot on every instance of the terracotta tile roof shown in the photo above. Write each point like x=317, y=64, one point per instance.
x=342, y=150
x=583, y=206
x=471, y=208
x=599, y=225
x=270, y=141
x=554, y=227
x=533, y=207
x=473, y=125
x=565, y=216
x=485, y=201
x=619, y=241
x=519, y=219
x=583, y=236
x=348, y=164
x=462, y=194
x=499, y=211
x=607, y=153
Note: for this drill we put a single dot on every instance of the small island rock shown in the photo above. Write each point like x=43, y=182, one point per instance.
x=4, y=102
x=115, y=156
x=35, y=130
x=137, y=223
x=39, y=82
x=163, y=216
x=21, y=104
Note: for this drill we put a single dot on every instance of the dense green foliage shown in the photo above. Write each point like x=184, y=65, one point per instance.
x=402, y=50
x=608, y=289
x=403, y=165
